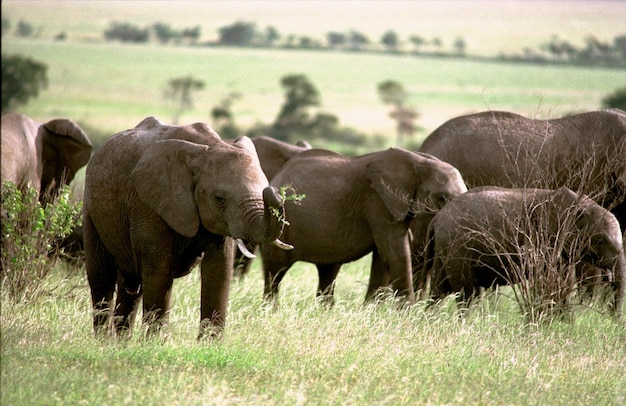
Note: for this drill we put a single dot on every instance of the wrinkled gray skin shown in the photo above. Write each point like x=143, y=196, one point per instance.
x=44, y=155
x=353, y=206
x=479, y=237
x=157, y=197
x=272, y=154
x=584, y=152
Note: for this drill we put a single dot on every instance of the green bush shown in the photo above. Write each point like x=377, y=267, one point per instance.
x=31, y=234
x=617, y=99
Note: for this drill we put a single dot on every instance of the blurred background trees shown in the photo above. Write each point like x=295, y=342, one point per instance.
x=393, y=93
x=179, y=92
x=22, y=79
x=616, y=100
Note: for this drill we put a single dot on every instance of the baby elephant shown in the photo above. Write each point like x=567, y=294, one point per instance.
x=497, y=236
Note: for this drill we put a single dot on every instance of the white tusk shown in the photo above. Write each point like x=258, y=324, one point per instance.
x=282, y=245
x=244, y=250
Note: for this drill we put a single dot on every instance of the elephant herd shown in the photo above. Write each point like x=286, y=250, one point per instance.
x=158, y=199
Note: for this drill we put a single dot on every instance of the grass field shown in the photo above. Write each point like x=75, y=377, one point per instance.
x=111, y=87
x=302, y=354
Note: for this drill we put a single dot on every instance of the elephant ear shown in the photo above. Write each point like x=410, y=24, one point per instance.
x=395, y=190
x=70, y=144
x=148, y=123
x=568, y=206
x=164, y=182
x=246, y=144
x=303, y=144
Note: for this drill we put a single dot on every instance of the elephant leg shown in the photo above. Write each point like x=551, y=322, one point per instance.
x=379, y=277
x=467, y=288
x=275, y=267
x=216, y=271
x=157, y=290
x=272, y=283
x=101, y=274
x=437, y=280
x=127, y=301
x=419, y=243
x=327, y=275
x=395, y=252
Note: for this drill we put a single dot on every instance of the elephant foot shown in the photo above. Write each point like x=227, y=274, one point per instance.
x=210, y=331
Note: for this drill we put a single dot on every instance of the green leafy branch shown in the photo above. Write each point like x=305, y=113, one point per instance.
x=288, y=194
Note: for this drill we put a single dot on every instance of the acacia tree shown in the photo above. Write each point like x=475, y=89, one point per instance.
x=222, y=116
x=22, y=79
x=300, y=95
x=336, y=39
x=417, y=42
x=390, y=40
x=393, y=93
x=240, y=33
x=178, y=90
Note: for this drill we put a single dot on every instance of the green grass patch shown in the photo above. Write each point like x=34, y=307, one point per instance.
x=111, y=87
x=300, y=353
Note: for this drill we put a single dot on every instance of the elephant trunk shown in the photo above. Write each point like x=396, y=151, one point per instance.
x=273, y=214
x=262, y=223
x=619, y=284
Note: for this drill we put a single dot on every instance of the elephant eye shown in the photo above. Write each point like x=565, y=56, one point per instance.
x=440, y=199
x=220, y=199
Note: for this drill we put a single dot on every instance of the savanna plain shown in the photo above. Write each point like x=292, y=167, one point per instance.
x=300, y=352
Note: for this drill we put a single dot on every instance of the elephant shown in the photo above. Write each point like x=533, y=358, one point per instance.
x=157, y=198
x=585, y=152
x=272, y=154
x=353, y=206
x=43, y=155
x=496, y=236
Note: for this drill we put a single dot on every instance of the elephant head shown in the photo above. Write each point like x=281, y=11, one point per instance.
x=588, y=235
x=435, y=182
x=601, y=246
x=190, y=184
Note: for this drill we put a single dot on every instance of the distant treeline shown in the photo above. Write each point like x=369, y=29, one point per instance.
x=247, y=34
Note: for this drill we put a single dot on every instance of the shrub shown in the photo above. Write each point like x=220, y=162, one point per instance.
x=617, y=99
x=31, y=235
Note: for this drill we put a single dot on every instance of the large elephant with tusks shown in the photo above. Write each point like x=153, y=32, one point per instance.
x=159, y=197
